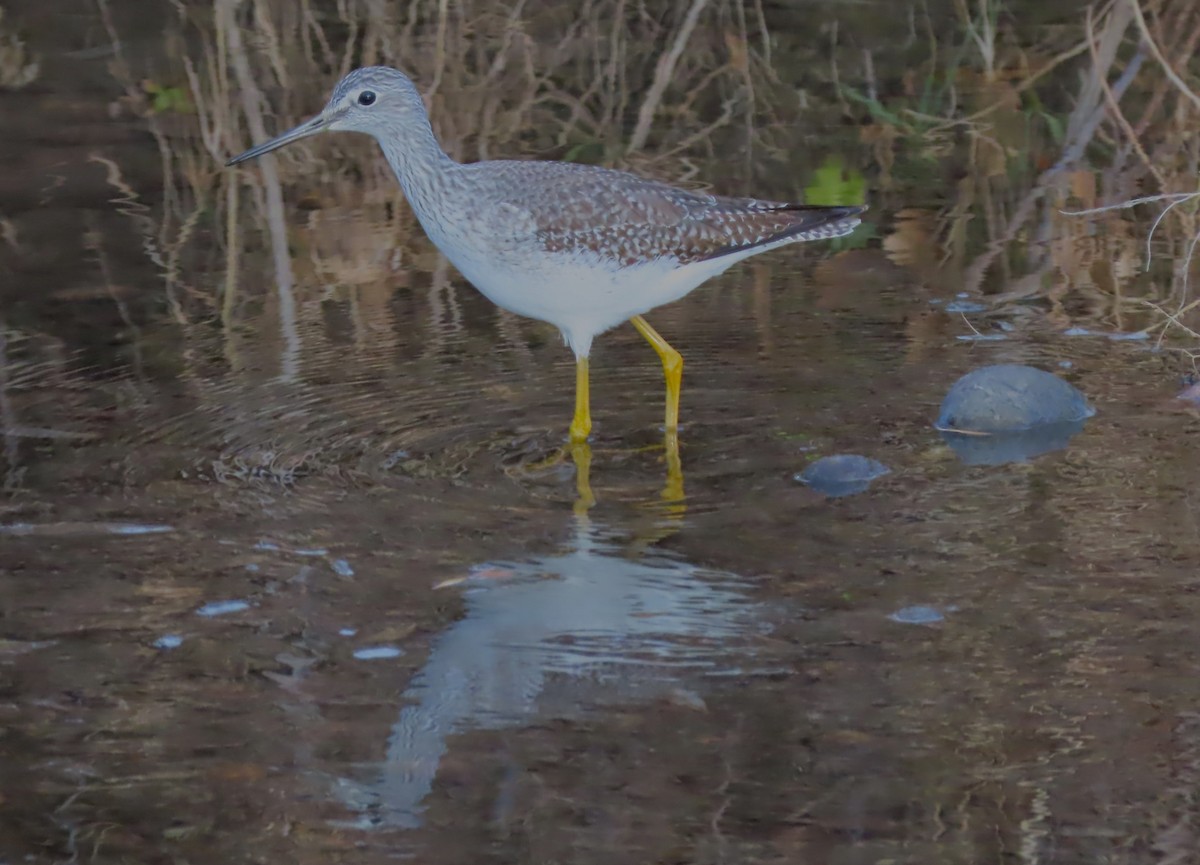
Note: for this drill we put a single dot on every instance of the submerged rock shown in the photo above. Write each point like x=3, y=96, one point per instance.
x=1006, y=413
x=994, y=449
x=842, y=474
x=918, y=615
x=1008, y=398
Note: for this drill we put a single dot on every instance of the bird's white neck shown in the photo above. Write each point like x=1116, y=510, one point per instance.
x=420, y=164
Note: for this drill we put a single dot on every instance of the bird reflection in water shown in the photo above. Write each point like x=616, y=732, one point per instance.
x=557, y=636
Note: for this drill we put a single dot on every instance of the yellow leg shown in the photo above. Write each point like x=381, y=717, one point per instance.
x=581, y=454
x=673, y=491
x=672, y=363
x=581, y=424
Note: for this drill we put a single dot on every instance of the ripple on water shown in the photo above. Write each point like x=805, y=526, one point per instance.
x=376, y=653
x=982, y=337
x=66, y=529
x=918, y=615
x=222, y=608
x=372, y=409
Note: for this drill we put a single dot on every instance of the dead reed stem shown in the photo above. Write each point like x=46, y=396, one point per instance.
x=663, y=73
x=1167, y=128
x=1168, y=70
x=1089, y=111
x=251, y=99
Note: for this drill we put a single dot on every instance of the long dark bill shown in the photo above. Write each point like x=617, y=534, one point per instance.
x=309, y=127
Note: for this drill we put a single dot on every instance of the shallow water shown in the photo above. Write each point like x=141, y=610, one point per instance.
x=326, y=589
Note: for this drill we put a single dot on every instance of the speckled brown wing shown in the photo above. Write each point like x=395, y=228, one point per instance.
x=747, y=223
x=629, y=219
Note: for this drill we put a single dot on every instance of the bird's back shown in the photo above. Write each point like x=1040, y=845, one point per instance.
x=564, y=207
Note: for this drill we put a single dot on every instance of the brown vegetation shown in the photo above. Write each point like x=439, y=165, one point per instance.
x=1035, y=118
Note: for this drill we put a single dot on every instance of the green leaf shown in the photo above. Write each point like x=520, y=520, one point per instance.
x=876, y=108
x=585, y=151
x=1055, y=125
x=165, y=99
x=833, y=183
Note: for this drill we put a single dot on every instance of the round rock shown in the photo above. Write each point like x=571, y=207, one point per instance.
x=1008, y=398
x=842, y=474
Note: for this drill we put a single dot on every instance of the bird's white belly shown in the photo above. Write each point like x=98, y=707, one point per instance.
x=583, y=295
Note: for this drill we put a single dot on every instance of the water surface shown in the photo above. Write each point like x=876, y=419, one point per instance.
x=319, y=586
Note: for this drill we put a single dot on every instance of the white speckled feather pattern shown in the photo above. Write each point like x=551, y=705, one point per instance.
x=630, y=219
x=587, y=248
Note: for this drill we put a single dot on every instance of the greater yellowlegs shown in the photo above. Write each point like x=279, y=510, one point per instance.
x=581, y=247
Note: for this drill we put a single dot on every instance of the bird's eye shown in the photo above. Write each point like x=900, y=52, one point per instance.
x=367, y=97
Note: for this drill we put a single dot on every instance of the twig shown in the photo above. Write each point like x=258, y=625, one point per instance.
x=1172, y=318
x=1133, y=202
x=1084, y=120
x=1176, y=198
x=251, y=102
x=1114, y=107
x=662, y=76
x=1158, y=55
x=439, y=47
